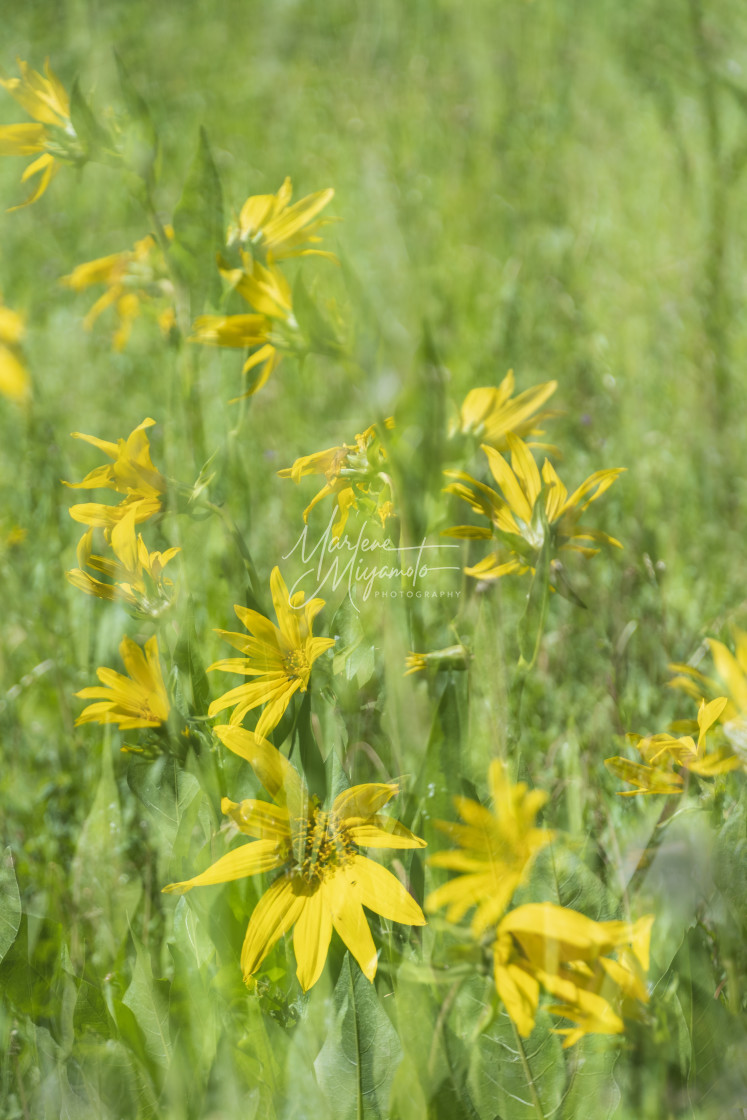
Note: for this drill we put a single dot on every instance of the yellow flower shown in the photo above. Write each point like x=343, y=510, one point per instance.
x=496, y=850
x=452, y=657
x=732, y=673
x=136, y=574
x=528, y=507
x=279, y=657
x=268, y=224
x=663, y=752
x=131, y=472
x=492, y=413
x=325, y=880
x=14, y=378
x=568, y=954
x=354, y=474
x=52, y=134
x=137, y=700
x=133, y=277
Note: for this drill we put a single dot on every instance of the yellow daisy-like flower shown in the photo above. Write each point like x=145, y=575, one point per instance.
x=136, y=574
x=131, y=472
x=529, y=506
x=492, y=413
x=661, y=753
x=496, y=850
x=570, y=956
x=353, y=473
x=14, y=378
x=268, y=224
x=134, y=277
x=279, y=657
x=731, y=669
x=137, y=700
x=52, y=134
x=325, y=880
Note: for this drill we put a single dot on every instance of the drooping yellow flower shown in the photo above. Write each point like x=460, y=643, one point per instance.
x=452, y=657
x=52, y=134
x=570, y=955
x=355, y=474
x=269, y=225
x=278, y=657
x=134, y=277
x=528, y=507
x=131, y=472
x=731, y=669
x=14, y=378
x=495, y=853
x=490, y=413
x=661, y=753
x=325, y=880
x=136, y=574
x=137, y=700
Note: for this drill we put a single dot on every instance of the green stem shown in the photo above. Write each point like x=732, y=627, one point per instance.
x=528, y=1074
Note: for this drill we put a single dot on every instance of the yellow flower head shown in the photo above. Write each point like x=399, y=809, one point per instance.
x=492, y=413
x=570, y=956
x=353, y=473
x=52, y=134
x=134, y=277
x=325, y=880
x=496, y=850
x=131, y=472
x=269, y=225
x=137, y=700
x=278, y=657
x=731, y=670
x=136, y=574
x=14, y=378
x=528, y=507
x=662, y=753
x=452, y=657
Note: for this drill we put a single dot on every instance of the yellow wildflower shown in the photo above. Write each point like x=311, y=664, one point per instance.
x=490, y=413
x=731, y=669
x=325, y=880
x=354, y=474
x=131, y=472
x=14, y=378
x=661, y=753
x=496, y=850
x=528, y=507
x=136, y=574
x=568, y=954
x=268, y=224
x=134, y=277
x=279, y=657
x=137, y=700
x=52, y=134
x=452, y=657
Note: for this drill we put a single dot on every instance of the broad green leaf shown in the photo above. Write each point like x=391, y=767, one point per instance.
x=140, y=144
x=592, y=1092
x=91, y=134
x=502, y=1084
x=91, y=1012
x=320, y=333
x=357, y=1062
x=10, y=903
x=165, y=790
x=198, y=226
x=148, y=1001
x=190, y=934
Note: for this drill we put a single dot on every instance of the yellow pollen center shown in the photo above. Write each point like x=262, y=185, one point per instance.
x=325, y=844
x=296, y=664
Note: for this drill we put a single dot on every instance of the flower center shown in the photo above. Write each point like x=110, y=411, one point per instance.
x=296, y=665
x=325, y=845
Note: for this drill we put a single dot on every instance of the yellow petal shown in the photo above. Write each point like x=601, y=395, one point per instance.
x=249, y=859
x=278, y=908
x=382, y=892
x=311, y=937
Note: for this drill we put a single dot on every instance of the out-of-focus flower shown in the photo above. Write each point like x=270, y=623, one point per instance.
x=355, y=474
x=731, y=669
x=133, y=278
x=14, y=378
x=51, y=138
x=452, y=657
x=269, y=225
x=279, y=657
x=137, y=700
x=570, y=955
x=491, y=413
x=661, y=753
x=136, y=575
x=325, y=880
x=527, y=508
x=496, y=850
x=131, y=472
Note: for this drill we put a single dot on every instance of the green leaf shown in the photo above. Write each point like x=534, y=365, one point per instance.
x=165, y=790
x=190, y=934
x=592, y=1091
x=91, y=1012
x=532, y=622
x=198, y=227
x=140, y=144
x=91, y=134
x=10, y=903
x=192, y=669
x=357, y=1062
x=503, y=1084
x=321, y=335
x=148, y=1000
